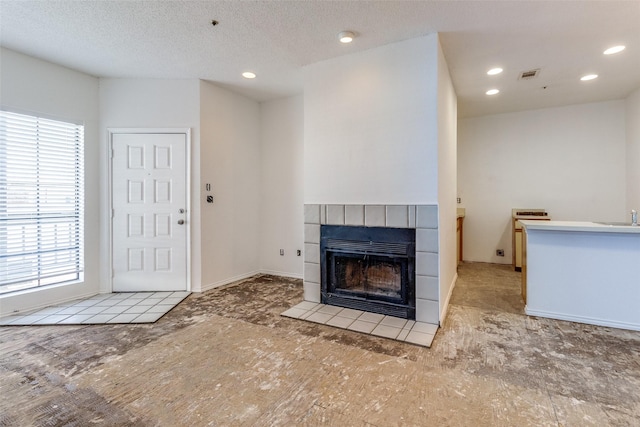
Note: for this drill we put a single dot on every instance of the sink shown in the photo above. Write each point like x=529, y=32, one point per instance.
x=615, y=224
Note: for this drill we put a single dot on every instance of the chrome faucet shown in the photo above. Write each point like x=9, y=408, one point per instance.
x=634, y=217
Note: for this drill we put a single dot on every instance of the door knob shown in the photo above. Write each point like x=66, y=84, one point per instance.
x=181, y=221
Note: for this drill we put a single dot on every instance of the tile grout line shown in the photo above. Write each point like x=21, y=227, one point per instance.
x=117, y=300
x=416, y=333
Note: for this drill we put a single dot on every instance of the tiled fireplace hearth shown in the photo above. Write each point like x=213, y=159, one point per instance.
x=421, y=218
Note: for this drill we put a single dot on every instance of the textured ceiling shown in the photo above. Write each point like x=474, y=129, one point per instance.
x=275, y=39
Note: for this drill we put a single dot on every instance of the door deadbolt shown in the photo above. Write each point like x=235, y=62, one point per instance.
x=180, y=210
x=180, y=221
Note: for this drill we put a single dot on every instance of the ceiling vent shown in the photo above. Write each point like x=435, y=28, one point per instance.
x=528, y=75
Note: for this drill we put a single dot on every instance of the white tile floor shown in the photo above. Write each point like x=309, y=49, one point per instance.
x=368, y=323
x=122, y=307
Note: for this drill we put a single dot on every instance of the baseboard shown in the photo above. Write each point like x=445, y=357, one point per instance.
x=246, y=276
x=582, y=319
x=228, y=281
x=43, y=303
x=445, y=310
x=281, y=274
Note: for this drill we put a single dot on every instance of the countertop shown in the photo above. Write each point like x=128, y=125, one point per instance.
x=579, y=226
x=532, y=217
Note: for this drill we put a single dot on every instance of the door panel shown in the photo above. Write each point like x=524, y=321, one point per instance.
x=149, y=199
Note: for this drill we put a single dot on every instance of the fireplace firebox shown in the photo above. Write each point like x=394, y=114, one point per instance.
x=369, y=268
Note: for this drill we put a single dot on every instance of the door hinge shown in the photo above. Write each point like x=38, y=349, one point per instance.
x=113, y=213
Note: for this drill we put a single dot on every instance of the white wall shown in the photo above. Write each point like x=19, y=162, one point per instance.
x=569, y=160
x=282, y=184
x=371, y=124
x=633, y=150
x=31, y=86
x=152, y=103
x=380, y=128
x=230, y=162
x=447, y=182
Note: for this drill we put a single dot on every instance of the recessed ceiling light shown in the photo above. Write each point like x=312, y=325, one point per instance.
x=494, y=71
x=492, y=92
x=614, y=49
x=249, y=75
x=589, y=77
x=346, y=37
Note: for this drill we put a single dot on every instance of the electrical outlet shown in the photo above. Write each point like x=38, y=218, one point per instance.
x=281, y=252
x=500, y=252
x=459, y=200
x=298, y=252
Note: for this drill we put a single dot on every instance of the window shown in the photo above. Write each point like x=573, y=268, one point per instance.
x=41, y=202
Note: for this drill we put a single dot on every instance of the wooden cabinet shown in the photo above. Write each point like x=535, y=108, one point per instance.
x=517, y=232
x=459, y=238
x=517, y=245
x=523, y=288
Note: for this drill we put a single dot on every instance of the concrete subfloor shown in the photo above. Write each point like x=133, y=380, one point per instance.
x=227, y=358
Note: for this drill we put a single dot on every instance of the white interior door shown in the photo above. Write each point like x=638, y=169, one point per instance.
x=149, y=200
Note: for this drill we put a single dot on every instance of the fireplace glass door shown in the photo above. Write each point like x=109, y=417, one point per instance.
x=368, y=276
x=368, y=268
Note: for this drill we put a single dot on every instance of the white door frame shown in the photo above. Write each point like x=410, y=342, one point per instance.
x=182, y=131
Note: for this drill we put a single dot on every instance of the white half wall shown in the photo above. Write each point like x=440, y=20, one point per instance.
x=230, y=162
x=282, y=184
x=633, y=150
x=32, y=86
x=151, y=103
x=582, y=276
x=568, y=160
x=370, y=126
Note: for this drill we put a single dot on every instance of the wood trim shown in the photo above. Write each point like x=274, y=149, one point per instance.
x=459, y=227
x=523, y=289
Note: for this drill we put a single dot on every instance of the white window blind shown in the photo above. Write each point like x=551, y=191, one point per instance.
x=41, y=202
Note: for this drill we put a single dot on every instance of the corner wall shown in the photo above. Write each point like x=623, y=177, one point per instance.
x=447, y=182
x=380, y=131
x=225, y=153
x=32, y=86
x=568, y=160
x=151, y=103
x=282, y=184
x=230, y=161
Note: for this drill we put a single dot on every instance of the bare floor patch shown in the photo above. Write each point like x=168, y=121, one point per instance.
x=227, y=357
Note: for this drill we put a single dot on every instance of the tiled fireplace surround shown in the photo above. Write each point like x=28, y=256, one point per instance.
x=422, y=218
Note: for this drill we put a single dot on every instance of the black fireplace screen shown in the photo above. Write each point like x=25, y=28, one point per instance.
x=368, y=275
x=369, y=268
